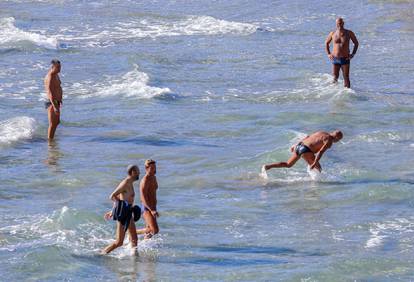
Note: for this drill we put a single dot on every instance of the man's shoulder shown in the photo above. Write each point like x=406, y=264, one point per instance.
x=349, y=31
x=124, y=181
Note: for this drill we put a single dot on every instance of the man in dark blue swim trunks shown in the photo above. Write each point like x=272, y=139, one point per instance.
x=340, y=56
x=123, y=197
x=311, y=148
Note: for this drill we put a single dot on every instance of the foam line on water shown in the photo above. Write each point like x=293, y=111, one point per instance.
x=11, y=36
x=154, y=27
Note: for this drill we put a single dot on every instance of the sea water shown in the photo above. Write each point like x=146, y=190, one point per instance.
x=212, y=90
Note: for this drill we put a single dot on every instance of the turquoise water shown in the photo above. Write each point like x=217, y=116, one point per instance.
x=211, y=90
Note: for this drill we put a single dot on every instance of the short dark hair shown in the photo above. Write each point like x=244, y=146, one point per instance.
x=55, y=62
x=130, y=168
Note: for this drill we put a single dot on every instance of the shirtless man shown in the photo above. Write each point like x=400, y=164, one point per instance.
x=340, y=56
x=124, y=192
x=148, y=190
x=311, y=149
x=55, y=95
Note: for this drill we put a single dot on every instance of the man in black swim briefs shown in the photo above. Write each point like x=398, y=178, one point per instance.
x=54, y=97
x=311, y=148
x=340, y=56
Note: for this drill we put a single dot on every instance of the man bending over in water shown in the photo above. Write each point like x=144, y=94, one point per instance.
x=340, y=56
x=148, y=191
x=311, y=149
x=54, y=95
x=124, y=211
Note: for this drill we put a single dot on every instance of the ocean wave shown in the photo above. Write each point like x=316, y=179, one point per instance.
x=156, y=27
x=16, y=129
x=82, y=232
x=12, y=37
x=132, y=84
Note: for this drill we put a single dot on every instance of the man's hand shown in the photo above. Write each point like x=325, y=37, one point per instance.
x=155, y=213
x=315, y=165
x=292, y=148
x=330, y=56
x=108, y=215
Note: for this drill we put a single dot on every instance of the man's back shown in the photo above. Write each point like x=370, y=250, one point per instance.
x=316, y=140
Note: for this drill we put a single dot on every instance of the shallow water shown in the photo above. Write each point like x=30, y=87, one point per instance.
x=212, y=91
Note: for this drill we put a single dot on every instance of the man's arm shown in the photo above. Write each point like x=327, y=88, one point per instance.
x=327, y=144
x=327, y=43
x=118, y=190
x=48, y=87
x=144, y=197
x=356, y=44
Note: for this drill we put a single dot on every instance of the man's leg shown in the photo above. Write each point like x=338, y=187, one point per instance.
x=120, y=235
x=310, y=158
x=152, y=225
x=345, y=74
x=132, y=230
x=54, y=120
x=293, y=159
x=335, y=72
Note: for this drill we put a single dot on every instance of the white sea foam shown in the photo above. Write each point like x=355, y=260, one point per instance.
x=318, y=87
x=384, y=137
x=401, y=228
x=131, y=84
x=81, y=232
x=11, y=36
x=314, y=174
x=16, y=129
x=263, y=173
x=157, y=27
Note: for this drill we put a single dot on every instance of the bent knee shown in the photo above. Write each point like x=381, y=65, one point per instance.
x=118, y=243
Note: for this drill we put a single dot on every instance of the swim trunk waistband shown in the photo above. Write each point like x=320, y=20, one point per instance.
x=340, y=61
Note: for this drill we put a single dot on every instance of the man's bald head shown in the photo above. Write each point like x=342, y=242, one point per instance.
x=340, y=23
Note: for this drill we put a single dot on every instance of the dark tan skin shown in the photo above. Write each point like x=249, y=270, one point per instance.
x=341, y=38
x=148, y=192
x=124, y=191
x=54, y=94
x=318, y=143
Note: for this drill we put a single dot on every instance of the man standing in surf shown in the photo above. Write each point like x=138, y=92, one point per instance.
x=54, y=95
x=148, y=192
x=340, y=56
x=311, y=149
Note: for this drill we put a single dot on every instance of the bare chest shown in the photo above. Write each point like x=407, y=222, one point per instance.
x=341, y=37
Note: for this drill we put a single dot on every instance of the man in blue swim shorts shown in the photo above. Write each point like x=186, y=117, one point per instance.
x=340, y=56
x=311, y=148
